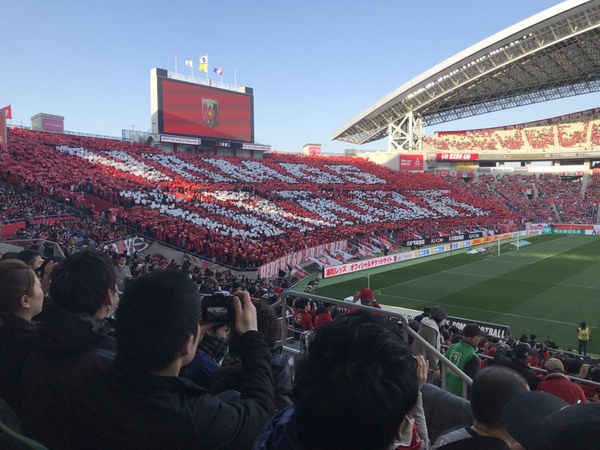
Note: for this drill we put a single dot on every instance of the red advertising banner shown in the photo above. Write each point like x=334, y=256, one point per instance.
x=457, y=156
x=271, y=269
x=411, y=162
x=572, y=226
x=367, y=264
x=8, y=230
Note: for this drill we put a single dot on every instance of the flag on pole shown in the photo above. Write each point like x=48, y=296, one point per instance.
x=316, y=261
x=331, y=260
x=8, y=111
x=218, y=71
x=203, y=64
x=189, y=63
x=297, y=272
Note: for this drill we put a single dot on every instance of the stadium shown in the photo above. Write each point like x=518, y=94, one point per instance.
x=497, y=225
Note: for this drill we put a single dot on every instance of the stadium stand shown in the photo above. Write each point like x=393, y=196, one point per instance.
x=241, y=213
x=576, y=131
x=249, y=212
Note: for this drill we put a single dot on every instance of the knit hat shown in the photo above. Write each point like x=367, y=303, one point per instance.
x=522, y=351
x=554, y=365
x=439, y=313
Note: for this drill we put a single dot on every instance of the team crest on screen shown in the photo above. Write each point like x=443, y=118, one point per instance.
x=210, y=112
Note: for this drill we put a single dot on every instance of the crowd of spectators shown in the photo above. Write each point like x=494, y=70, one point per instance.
x=242, y=213
x=595, y=137
x=19, y=205
x=573, y=135
x=570, y=133
x=531, y=196
x=541, y=363
x=172, y=376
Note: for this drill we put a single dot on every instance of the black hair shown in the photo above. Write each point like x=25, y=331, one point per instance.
x=572, y=365
x=301, y=303
x=358, y=364
x=28, y=256
x=158, y=312
x=81, y=281
x=10, y=255
x=491, y=390
x=595, y=374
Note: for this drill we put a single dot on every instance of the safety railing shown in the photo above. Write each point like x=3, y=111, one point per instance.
x=403, y=321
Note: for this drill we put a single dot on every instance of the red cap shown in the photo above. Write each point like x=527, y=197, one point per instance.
x=366, y=293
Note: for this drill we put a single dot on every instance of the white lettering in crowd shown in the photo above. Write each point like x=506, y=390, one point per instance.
x=312, y=174
x=246, y=215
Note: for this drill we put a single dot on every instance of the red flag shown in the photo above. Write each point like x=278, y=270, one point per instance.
x=8, y=111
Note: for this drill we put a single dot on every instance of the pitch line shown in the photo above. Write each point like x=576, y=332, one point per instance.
x=454, y=268
x=580, y=286
x=428, y=302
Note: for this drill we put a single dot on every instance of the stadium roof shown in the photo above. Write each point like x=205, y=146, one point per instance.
x=551, y=55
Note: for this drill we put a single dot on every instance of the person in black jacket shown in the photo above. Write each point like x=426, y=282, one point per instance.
x=83, y=292
x=140, y=401
x=520, y=363
x=231, y=374
x=21, y=298
x=353, y=390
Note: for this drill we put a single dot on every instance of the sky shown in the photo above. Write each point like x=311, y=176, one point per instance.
x=313, y=65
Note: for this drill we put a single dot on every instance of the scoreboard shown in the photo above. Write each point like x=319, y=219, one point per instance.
x=187, y=108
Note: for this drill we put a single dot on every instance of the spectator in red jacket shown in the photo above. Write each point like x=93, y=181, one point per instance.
x=323, y=314
x=560, y=385
x=302, y=316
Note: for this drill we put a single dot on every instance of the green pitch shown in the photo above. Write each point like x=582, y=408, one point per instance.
x=545, y=288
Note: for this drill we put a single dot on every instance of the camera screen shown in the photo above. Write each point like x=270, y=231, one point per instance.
x=218, y=308
x=217, y=314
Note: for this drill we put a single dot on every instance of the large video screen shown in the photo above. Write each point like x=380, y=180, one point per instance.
x=202, y=111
